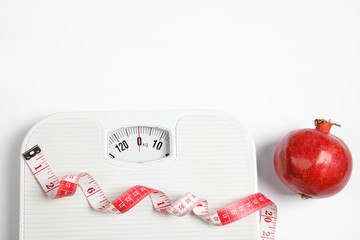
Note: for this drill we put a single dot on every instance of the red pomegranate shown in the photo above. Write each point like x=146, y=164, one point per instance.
x=313, y=162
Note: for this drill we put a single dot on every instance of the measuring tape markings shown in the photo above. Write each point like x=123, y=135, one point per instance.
x=161, y=202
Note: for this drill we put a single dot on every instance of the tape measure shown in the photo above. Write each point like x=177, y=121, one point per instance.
x=161, y=202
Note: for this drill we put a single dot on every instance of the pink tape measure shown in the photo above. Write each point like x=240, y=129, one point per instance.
x=127, y=200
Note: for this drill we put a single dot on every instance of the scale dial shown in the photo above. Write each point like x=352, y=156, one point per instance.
x=139, y=144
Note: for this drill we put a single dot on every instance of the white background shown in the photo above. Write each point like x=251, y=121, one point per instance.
x=272, y=65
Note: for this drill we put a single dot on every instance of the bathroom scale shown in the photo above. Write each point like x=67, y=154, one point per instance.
x=205, y=153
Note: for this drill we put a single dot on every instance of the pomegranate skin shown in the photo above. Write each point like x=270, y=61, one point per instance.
x=313, y=163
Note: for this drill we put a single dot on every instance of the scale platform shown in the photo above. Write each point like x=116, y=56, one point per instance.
x=202, y=152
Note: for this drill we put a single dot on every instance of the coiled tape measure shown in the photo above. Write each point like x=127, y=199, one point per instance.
x=138, y=146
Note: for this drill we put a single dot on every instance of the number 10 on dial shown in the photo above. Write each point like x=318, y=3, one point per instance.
x=139, y=144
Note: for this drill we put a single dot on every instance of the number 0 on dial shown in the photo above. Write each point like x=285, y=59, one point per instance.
x=139, y=144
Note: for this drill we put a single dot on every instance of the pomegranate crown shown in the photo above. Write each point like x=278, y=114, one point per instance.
x=324, y=126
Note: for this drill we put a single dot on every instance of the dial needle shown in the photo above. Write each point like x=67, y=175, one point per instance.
x=139, y=136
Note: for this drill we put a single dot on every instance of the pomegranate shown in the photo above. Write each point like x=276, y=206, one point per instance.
x=313, y=162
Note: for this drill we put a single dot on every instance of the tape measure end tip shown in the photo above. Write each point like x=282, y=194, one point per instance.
x=31, y=152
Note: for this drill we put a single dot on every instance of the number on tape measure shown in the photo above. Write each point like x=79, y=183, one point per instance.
x=161, y=202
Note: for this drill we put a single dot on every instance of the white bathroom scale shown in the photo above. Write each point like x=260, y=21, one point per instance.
x=202, y=152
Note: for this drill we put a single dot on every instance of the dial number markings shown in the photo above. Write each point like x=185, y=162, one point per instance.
x=139, y=144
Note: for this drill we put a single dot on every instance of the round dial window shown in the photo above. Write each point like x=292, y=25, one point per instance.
x=139, y=144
